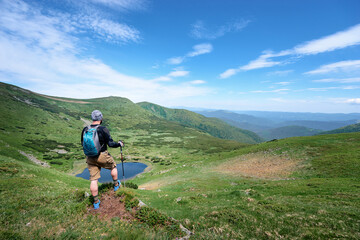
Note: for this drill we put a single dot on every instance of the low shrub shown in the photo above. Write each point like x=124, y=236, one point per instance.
x=131, y=185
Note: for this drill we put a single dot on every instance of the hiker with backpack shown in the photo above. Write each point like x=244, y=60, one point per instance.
x=95, y=139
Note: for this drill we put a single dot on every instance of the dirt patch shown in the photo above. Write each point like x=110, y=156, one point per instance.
x=259, y=165
x=60, y=151
x=111, y=207
x=63, y=100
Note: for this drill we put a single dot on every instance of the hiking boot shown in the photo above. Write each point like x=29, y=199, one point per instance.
x=117, y=187
x=96, y=205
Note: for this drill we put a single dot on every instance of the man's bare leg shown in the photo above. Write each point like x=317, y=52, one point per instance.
x=94, y=189
x=114, y=174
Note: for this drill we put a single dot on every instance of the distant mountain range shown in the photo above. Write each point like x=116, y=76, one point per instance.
x=276, y=125
x=213, y=126
x=297, y=116
x=288, y=131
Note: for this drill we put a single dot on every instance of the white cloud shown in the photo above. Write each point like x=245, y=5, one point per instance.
x=43, y=53
x=32, y=27
x=355, y=101
x=343, y=66
x=199, y=49
x=25, y=19
x=338, y=80
x=178, y=73
x=339, y=40
x=281, y=100
x=175, y=60
x=196, y=82
x=123, y=4
x=109, y=30
x=162, y=79
x=280, y=73
x=333, y=88
x=322, y=89
x=272, y=91
x=228, y=73
x=283, y=83
x=200, y=31
x=262, y=62
x=343, y=39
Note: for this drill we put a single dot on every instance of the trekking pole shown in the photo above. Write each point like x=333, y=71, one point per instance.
x=122, y=164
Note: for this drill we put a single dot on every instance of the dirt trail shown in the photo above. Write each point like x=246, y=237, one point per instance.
x=86, y=122
x=260, y=165
x=111, y=207
x=34, y=159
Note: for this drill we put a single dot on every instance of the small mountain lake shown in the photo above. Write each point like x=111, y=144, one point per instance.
x=131, y=170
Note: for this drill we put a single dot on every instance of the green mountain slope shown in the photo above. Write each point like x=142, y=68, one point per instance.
x=213, y=126
x=346, y=129
x=288, y=131
x=43, y=125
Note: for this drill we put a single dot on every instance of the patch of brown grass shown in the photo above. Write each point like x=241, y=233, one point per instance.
x=259, y=165
x=151, y=185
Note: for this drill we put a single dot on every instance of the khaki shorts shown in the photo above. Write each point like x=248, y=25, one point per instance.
x=104, y=160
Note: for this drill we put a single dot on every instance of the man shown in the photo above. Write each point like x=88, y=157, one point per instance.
x=101, y=158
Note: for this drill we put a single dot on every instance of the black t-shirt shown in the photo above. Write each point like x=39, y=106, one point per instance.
x=104, y=138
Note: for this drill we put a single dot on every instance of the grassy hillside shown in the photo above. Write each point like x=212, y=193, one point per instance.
x=288, y=131
x=346, y=129
x=318, y=198
x=50, y=128
x=296, y=188
x=214, y=127
x=43, y=203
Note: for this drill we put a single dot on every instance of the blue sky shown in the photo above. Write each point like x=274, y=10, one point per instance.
x=299, y=56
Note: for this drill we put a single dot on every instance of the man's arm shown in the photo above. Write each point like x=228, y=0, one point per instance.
x=110, y=142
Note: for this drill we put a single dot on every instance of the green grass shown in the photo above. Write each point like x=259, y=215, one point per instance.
x=39, y=203
x=319, y=201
